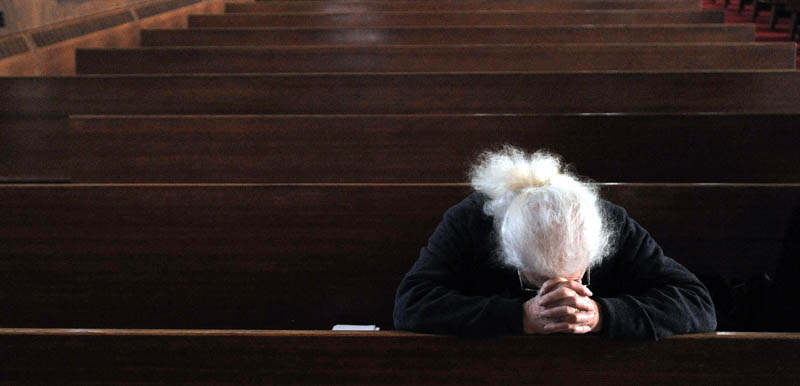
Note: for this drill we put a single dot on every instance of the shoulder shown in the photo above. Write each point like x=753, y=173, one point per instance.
x=619, y=221
x=464, y=225
x=629, y=239
x=468, y=210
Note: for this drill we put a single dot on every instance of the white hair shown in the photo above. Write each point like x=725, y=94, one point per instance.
x=547, y=221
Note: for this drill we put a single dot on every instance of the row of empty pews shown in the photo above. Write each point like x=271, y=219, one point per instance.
x=202, y=210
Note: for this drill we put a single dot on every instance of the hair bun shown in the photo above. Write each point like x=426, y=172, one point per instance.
x=510, y=171
x=532, y=172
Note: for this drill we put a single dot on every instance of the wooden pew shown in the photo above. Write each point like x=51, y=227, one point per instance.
x=453, y=18
x=451, y=5
x=300, y=256
x=683, y=33
x=424, y=149
x=538, y=57
x=400, y=93
x=213, y=357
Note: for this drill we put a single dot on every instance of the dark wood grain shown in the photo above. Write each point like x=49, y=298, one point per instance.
x=278, y=149
x=299, y=256
x=471, y=5
x=452, y=18
x=124, y=357
x=540, y=57
x=260, y=36
x=398, y=93
x=33, y=149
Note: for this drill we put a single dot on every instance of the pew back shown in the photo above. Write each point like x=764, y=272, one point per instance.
x=539, y=57
x=260, y=36
x=424, y=149
x=469, y=5
x=300, y=256
x=403, y=93
x=453, y=18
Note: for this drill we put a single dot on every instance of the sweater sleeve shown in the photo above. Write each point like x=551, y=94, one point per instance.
x=658, y=296
x=432, y=297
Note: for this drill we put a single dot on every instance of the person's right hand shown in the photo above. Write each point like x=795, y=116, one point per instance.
x=562, y=305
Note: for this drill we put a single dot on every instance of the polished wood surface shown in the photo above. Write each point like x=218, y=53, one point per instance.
x=427, y=148
x=300, y=256
x=443, y=58
x=203, y=357
x=397, y=93
x=683, y=33
x=464, y=5
x=453, y=18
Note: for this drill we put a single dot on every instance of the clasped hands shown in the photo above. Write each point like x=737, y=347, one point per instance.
x=562, y=305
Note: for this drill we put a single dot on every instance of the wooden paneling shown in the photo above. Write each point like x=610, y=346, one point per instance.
x=464, y=58
x=656, y=148
x=453, y=18
x=299, y=256
x=684, y=33
x=397, y=93
x=464, y=5
x=124, y=357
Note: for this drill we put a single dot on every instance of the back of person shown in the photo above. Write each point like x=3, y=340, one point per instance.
x=534, y=250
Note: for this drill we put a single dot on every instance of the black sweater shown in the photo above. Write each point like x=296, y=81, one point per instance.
x=458, y=286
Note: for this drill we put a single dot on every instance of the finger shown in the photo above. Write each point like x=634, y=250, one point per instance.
x=582, y=303
x=567, y=314
x=551, y=285
x=558, y=296
x=559, y=312
x=566, y=328
x=576, y=286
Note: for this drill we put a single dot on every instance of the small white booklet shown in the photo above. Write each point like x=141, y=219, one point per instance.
x=356, y=327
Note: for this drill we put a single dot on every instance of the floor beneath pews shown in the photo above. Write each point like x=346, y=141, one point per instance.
x=763, y=32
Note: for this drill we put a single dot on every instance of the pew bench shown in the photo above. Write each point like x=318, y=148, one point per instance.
x=453, y=18
x=403, y=93
x=634, y=33
x=214, y=357
x=364, y=6
x=304, y=256
x=440, y=58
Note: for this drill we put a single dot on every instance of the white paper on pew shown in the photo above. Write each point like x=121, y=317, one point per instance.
x=356, y=327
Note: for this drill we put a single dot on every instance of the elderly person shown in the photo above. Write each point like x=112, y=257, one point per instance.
x=534, y=250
